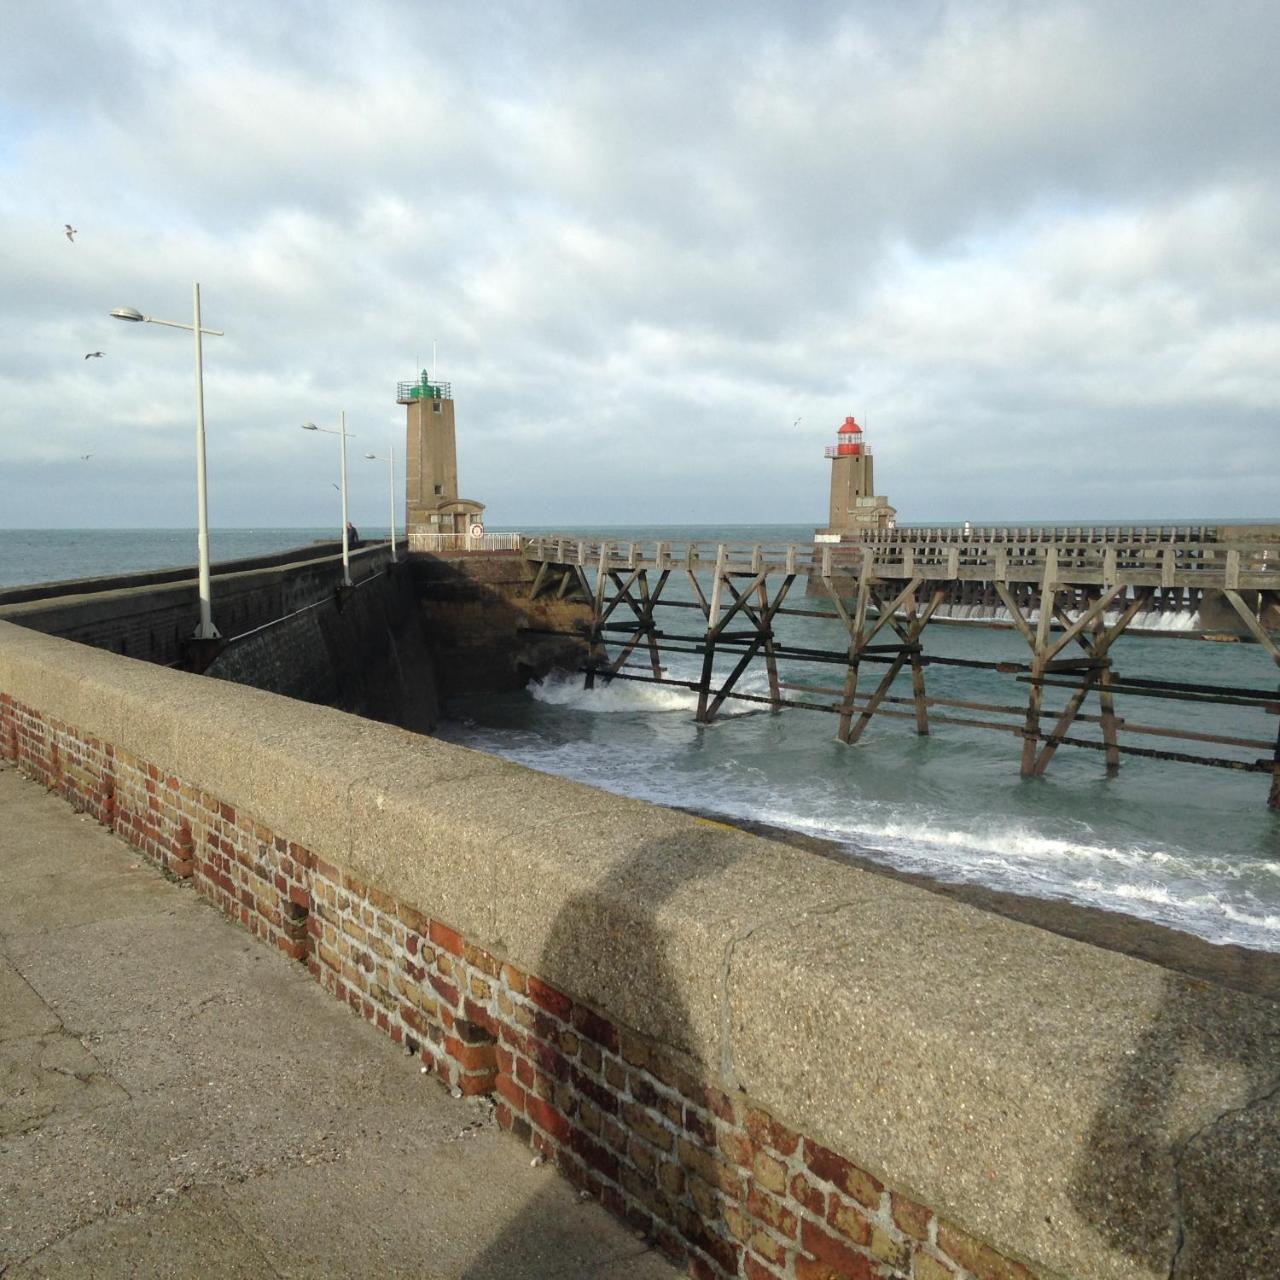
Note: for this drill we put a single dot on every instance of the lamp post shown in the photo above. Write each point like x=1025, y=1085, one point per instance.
x=392, y=462
x=206, y=630
x=342, y=431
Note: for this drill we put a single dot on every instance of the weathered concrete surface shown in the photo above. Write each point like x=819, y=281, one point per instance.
x=1077, y=1109
x=1024, y=1046
x=176, y=1100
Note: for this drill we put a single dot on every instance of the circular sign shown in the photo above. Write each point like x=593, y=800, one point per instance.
x=477, y=530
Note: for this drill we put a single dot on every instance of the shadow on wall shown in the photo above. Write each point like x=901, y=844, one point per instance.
x=1205, y=1204
x=611, y=929
x=484, y=632
x=360, y=649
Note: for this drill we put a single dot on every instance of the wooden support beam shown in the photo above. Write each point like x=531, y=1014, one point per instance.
x=713, y=630
x=596, y=651
x=1039, y=648
x=1251, y=622
x=762, y=635
x=910, y=649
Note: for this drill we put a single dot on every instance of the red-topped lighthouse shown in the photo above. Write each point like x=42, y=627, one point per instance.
x=850, y=440
x=854, y=504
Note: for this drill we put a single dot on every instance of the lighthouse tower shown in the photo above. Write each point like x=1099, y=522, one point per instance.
x=432, y=504
x=854, y=504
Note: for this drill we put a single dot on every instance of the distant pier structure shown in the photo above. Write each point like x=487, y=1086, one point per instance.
x=855, y=505
x=435, y=515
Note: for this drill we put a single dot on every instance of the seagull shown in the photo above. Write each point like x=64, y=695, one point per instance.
x=797, y=422
x=84, y=457
x=93, y=355
x=70, y=232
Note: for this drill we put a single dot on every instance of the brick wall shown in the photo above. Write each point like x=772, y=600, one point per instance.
x=718, y=1183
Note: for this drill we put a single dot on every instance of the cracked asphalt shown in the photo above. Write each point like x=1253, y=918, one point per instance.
x=177, y=1100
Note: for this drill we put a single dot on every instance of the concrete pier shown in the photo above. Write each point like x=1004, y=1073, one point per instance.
x=176, y=1100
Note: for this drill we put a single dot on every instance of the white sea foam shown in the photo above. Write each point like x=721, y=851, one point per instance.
x=1225, y=897
x=1148, y=620
x=613, y=696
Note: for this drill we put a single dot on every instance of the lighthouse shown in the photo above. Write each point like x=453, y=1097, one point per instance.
x=432, y=504
x=854, y=503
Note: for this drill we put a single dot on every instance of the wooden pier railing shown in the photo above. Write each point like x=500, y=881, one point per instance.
x=1070, y=597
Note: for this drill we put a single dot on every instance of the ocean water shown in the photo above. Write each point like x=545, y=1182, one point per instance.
x=1189, y=847
x=51, y=555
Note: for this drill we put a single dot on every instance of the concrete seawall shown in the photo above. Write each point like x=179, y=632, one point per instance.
x=772, y=1063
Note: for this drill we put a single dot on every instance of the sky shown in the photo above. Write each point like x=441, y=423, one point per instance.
x=661, y=251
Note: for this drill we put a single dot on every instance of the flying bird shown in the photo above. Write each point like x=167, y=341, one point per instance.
x=93, y=355
x=797, y=422
x=84, y=457
x=70, y=232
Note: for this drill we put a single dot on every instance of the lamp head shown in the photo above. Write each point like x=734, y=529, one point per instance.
x=128, y=313
x=374, y=456
x=310, y=426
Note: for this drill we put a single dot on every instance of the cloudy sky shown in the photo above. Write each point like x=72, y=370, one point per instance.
x=1034, y=245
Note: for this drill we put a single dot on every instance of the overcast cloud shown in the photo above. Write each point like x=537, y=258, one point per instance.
x=1034, y=244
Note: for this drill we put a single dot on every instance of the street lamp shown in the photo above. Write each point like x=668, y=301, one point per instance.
x=206, y=630
x=342, y=431
x=392, y=461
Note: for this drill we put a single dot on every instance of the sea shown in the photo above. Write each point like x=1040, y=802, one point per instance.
x=1191, y=848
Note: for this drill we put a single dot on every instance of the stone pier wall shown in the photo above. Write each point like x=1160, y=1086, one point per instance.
x=773, y=1065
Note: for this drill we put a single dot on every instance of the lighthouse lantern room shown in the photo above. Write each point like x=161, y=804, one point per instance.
x=854, y=503
x=849, y=441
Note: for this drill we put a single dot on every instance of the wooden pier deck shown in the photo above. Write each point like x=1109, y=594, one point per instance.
x=1070, y=593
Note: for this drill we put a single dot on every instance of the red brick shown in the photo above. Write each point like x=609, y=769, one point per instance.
x=911, y=1217
x=765, y=1130
x=471, y=1057
x=444, y=989
x=805, y=1194
x=834, y=1253
x=478, y=1014
x=754, y=1269
x=700, y=1126
x=549, y=998
x=595, y=1028
x=546, y=1117
x=809, y=1269
x=472, y=1085
x=410, y=1015
x=383, y=901
x=735, y=1147
x=981, y=1259
x=602, y=1161
x=513, y=1093
x=294, y=950
x=446, y=938
x=412, y=918
x=772, y=1211
x=514, y=978
x=327, y=870
x=847, y=1176
x=299, y=896
x=481, y=959
x=848, y=1220
x=719, y=1103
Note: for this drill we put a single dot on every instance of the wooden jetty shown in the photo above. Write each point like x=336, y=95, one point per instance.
x=1070, y=593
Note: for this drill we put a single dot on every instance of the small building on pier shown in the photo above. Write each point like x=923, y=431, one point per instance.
x=855, y=505
x=432, y=504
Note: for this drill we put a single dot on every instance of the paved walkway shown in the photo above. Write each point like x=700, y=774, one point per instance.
x=178, y=1100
